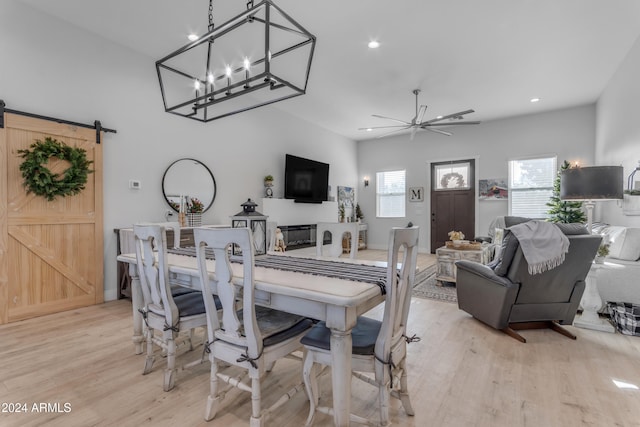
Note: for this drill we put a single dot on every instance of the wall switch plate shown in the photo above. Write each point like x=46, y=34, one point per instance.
x=134, y=184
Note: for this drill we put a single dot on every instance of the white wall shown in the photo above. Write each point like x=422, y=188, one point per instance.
x=53, y=69
x=618, y=130
x=569, y=134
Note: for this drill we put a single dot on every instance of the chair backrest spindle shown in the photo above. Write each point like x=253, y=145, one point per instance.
x=241, y=331
x=153, y=268
x=402, y=242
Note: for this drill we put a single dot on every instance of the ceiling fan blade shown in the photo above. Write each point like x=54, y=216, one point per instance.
x=420, y=115
x=451, y=124
x=448, y=116
x=393, y=131
x=414, y=129
x=383, y=127
x=390, y=118
x=429, y=128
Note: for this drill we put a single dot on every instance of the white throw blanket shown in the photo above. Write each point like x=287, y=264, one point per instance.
x=543, y=244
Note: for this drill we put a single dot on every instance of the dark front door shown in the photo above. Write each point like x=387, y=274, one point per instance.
x=452, y=200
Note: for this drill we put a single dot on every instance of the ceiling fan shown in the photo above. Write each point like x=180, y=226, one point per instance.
x=416, y=123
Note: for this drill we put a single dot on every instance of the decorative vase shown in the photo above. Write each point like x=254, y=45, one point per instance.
x=194, y=219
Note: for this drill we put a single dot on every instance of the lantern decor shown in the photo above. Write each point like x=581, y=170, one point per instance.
x=256, y=222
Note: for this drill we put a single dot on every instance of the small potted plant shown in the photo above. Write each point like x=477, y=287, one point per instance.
x=602, y=253
x=194, y=212
x=359, y=214
x=341, y=213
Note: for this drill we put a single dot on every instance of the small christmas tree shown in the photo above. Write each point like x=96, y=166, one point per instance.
x=562, y=210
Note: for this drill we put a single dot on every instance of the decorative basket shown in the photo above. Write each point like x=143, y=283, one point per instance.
x=467, y=246
x=626, y=317
x=194, y=219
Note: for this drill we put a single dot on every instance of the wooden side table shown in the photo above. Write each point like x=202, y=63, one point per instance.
x=446, y=258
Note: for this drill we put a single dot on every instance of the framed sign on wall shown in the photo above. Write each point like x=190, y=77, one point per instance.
x=416, y=194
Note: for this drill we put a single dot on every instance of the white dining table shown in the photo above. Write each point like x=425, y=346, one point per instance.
x=337, y=301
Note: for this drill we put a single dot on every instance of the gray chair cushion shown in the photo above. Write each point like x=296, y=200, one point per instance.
x=364, y=336
x=181, y=290
x=191, y=303
x=573, y=229
x=277, y=326
x=510, y=221
x=509, y=247
x=510, y=243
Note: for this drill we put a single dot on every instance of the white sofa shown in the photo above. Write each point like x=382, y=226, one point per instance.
x=619, y=280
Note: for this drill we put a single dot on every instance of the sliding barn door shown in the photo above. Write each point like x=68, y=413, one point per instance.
x=51, y=252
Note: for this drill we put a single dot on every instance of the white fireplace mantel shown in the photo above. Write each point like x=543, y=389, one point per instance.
x=287, y=212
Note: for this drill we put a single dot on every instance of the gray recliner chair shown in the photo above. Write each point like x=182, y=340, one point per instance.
x=505, y=296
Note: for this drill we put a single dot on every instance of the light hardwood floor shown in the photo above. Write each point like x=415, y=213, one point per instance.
x=462, y=373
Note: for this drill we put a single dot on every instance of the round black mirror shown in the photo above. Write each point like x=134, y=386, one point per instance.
x=189, y=178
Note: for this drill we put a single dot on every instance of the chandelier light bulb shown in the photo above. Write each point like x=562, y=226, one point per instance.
x=196, y=85
x=374, y=44
x=247, y=66
x=192, y=37
x=210, y=78
x=228, y=71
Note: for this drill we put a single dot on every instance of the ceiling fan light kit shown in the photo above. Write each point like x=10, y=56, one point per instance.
x=418, y=124
x=259, y=57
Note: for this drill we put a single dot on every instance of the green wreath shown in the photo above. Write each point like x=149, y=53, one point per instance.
x=41, y=181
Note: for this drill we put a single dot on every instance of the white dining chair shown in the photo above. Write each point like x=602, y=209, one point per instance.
x=378, y=347
x=168, y=310
x=337, y=230
x=252, y=338
x=271, y=235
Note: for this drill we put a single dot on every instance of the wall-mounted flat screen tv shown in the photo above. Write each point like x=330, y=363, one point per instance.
x=305, y=181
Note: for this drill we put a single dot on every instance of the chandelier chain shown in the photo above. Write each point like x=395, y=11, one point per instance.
x=210, y=15
x=249, y=4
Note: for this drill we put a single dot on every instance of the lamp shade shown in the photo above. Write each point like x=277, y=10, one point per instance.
x=591, y=183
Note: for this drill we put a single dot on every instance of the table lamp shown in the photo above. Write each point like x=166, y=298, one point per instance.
x=590, y=184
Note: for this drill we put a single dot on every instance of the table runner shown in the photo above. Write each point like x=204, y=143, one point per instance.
x=334, y=269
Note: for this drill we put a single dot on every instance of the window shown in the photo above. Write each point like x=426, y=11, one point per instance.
x=452, y=176
x=531, y=186
x=390, y=194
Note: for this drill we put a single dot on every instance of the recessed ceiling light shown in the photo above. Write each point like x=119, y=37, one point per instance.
x=535, y=100
x=439, y=117
x=369, y=129
x=192, y=37
x=373, y=44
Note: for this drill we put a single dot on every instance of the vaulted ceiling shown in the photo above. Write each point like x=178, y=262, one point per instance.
x=492, y=55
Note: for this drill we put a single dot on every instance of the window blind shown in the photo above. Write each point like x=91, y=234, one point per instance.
x=531, y=186
x=390, y=194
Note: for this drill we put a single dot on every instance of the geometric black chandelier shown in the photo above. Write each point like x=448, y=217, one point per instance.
x=259, y=57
